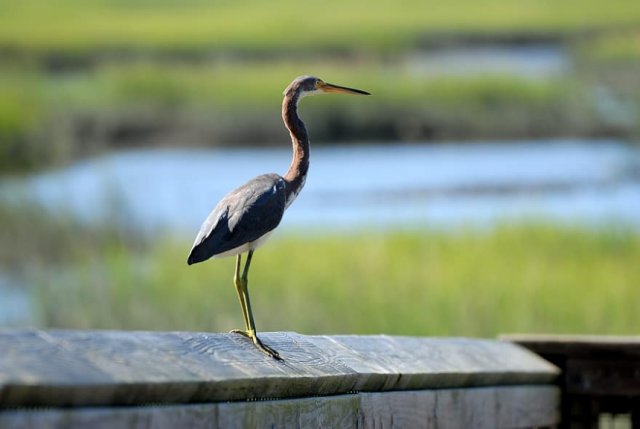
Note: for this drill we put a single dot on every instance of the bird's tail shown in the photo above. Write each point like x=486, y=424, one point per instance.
x=196, y=255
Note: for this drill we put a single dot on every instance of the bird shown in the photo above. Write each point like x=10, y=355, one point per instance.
x=246, y=217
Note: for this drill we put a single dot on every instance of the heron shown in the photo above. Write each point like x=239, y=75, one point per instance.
x=246, y=217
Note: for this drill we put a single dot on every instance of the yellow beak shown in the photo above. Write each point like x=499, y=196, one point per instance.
x=328, y=87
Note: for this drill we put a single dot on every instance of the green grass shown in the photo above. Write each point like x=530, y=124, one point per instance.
x=76, y=76
x=235, y=86
x=520, y=278
x=615, y=49
x=514, y=279
x=34, y=239
x=73, y=26
x=42, y=116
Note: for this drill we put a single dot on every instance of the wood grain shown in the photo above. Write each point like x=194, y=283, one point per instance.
x=484, y=407
x=89, y=368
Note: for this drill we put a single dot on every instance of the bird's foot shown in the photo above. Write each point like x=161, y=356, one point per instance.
x=259, y=344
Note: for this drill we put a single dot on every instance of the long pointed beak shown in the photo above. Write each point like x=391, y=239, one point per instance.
x=328, y=87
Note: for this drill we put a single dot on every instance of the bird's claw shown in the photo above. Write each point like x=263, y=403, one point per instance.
x=259, y=344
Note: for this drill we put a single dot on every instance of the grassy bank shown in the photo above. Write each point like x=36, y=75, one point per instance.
x=513, y=279
x=52, y=119
x=79, y=78
x=526, y=278
x=72, y=28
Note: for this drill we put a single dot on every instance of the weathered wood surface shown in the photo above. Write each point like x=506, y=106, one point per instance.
x=91, y=368
x=482, y=407
x=584, y=345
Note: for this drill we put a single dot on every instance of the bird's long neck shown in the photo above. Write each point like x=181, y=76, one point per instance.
x=297, y=173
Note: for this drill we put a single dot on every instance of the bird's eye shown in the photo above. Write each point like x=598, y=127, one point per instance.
x=319, y=83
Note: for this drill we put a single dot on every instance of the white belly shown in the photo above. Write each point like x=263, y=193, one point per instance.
x=252, y=245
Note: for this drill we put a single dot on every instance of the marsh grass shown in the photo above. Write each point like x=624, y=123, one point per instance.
x=33, y=239
x=532, y=278
x=78, y=78
x=615, y=49
x=198, y=104
x=74, y=28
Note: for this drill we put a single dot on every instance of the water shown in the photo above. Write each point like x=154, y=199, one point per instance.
x=530, y=61
x=370, y=186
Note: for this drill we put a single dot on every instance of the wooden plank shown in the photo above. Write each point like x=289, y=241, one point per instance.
x=193, y=416
x=339, y=411
x=603, y=378
x=601, y=374
x=485, y=407
x=473, y=409
x=404, y=363
x=592, y=365
x=129, y=368
x=409, y=409
x=579, y=345
x=522, y=406
x=82, y=368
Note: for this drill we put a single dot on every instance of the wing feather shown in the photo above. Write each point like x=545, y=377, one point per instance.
x=242, y=216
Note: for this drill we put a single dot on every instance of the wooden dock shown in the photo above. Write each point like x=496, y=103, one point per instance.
x=600, y=375
x=58, y=378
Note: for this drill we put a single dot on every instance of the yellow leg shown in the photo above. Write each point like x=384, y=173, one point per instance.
x=243, y=295
x=237, y=282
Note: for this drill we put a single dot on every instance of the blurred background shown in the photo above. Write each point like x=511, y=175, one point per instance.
x=490, y=184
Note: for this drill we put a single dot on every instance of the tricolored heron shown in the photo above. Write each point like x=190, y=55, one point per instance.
x=247, y=216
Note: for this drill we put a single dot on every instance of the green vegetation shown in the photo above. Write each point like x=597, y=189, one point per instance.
x=520, y=278
x=78, y=78
x=196, y=105
x=81, y=77
x=619, y=47
x=34, y=239
x=513, y=279
x=74, y=27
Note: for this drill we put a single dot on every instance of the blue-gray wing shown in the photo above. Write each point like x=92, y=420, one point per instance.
x=242, y=216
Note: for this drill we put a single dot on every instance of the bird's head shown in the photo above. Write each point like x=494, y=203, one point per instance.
x=310, y=85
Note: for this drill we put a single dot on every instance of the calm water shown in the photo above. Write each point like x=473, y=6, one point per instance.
x=383, y=186
x=531, y=60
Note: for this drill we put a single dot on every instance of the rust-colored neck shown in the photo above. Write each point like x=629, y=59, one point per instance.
x=297, y=173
